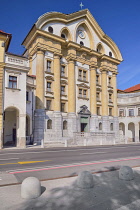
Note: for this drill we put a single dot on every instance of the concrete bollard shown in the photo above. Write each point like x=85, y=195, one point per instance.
x=30, y=188
x=85, y=180
x=126, y=173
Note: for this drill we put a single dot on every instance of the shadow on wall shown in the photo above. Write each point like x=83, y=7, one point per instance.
x=109, y=192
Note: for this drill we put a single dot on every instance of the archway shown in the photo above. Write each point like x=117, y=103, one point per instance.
x=122, y=128
x=10, y=126
x=131, y=134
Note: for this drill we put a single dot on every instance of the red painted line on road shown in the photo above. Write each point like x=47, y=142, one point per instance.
x=44, y=169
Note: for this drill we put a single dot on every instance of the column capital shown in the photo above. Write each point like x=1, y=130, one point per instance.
x=114, y=73
x=71, y=57
x=104, y=71
x=40, y=51
x=57, y=55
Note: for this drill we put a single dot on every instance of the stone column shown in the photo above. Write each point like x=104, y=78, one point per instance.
x=105, y=118
x=57, y=116
x=114, y=85
x=21, y=138
x=39, y=115
x=1, y=107
x=115, y=108
x=40, y=80
x=72, y=124
x=137, y=132
x=126, y=133
x=94, y=118
x=104, y=93
x=30, y=65
x=56, y=83
x=71, y=87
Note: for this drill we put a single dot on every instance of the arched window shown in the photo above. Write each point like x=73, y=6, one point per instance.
x=99, y=48
x=81, y=43
x=110, y=54
x=100, y=126
x=49, y=124
x=50, y=29
x=64, y=125
x=63, y=36
x=111, y=126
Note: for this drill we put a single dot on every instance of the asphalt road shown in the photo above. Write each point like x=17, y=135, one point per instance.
x=49, y=163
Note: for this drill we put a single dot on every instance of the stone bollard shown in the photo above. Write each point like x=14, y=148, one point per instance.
x=30, y=188
x=126, y=173
x=85, y=180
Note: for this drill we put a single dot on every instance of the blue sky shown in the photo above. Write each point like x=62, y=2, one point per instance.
x=119, y=19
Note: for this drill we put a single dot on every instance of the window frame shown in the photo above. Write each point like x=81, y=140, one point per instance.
x=129, y=112
x=50, y=105
x=12, y=81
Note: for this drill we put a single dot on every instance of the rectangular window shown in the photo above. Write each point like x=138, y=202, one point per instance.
x=80, y=92
x=80, y=74
x=49, y=86
x=110, y=111
x=98, y=96
x=97, y=79
x=110, y=97
x=27, y=96
x=62, y=107
x=121, y=113
x=48, y=104
x=131, y=112
x=84, y=93
x=98, y=110
x=84, y=76
x=109, y=81
x=138, y=111
x=62, y=90
x=49, y=63
x=62, y=71
x=12, y=82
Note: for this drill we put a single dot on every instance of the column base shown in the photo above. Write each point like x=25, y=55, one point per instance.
x=94, y=123
x=57, y=124
x=39, y=125
x=72, y=123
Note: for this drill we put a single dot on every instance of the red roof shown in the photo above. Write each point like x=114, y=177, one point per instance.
x=33, y=76
x=133, y=88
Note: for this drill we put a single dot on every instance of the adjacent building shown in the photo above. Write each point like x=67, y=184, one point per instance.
x=129, y=114
x=64, y=85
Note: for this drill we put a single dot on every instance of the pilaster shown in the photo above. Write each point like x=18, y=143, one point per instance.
x=71, y=87
x=137, y=132
x=114, y=84
x=30, y=65
x=39, y=125
x=104, y=93
x=93, y=90
x=72, y=124
x=56, y=82
x=40, y=80
x=57, y=124
x=94, y=123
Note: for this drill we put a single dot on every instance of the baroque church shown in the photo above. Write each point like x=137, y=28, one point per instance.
x=63, y=87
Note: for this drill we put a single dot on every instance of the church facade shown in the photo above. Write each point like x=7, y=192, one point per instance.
x=72, y=66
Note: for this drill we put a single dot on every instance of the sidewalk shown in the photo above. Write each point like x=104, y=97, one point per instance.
x=108, y=193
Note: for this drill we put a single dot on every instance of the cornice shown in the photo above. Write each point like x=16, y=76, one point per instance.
x=17, y=67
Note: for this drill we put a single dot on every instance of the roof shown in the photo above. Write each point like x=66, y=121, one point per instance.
x=33, y=76
x=7, y=42
x=133, y=88
x=2, y=32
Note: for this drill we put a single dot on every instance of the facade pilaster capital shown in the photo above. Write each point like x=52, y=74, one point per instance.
x=71, y=58
x=40, y=51
x=104, y=71
x=114, y=73
x=57, y=55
